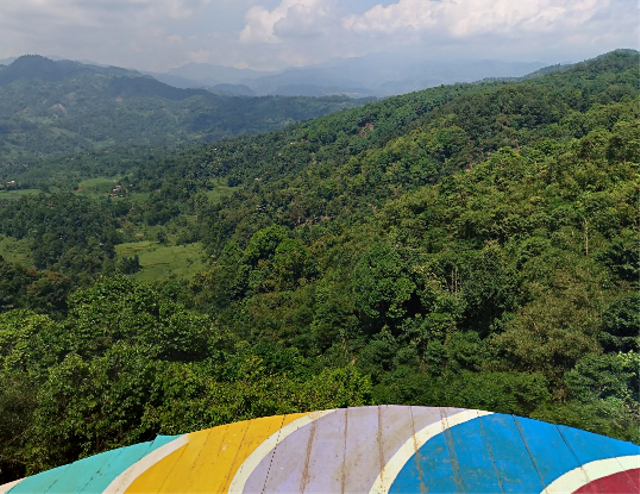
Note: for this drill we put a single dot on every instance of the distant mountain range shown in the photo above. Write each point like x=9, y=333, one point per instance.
x=380, y=74
x=371, y=75
x=62, y=106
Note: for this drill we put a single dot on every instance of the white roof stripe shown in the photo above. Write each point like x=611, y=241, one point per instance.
x=254, y=459
x=391, y=470
x=4, y=488
x=122, y=482
x=584, y=474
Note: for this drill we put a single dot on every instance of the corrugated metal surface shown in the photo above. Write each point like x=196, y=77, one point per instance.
x=369, y=449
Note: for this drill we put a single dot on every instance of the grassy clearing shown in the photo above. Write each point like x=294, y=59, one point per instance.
x=16, y=251
x=96, y=187
x=160, y=261
x=219, y=190
x=131, y=248
x=17, y=194
x=101, y=187
x=138, y=196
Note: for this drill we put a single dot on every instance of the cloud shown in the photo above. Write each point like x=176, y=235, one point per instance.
x=548, y=29
x=274, y=34
x=111, y=31
x=460, y=18
x=290, y=19
x=100, y=13
x=306, y=31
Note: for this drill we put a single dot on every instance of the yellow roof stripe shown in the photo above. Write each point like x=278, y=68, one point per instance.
x=210, y=459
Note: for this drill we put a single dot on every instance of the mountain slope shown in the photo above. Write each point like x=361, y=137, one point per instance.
x=32, y=67
x=64, y=107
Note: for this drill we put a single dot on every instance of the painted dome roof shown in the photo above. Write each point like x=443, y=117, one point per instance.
x=367, y=449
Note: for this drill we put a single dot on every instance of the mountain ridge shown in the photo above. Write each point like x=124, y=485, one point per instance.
x=62, y=106
x=356, y=75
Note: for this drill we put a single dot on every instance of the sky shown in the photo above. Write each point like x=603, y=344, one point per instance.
x=157, y=35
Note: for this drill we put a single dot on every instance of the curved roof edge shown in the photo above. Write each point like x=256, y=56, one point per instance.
x=377, y=449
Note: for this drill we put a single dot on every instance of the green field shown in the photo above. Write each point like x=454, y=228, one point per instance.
x=159, y=261
x=101, y=187
x=18, y=193
x=219, y=190
x=96, y=187
x=15, y=251
x=92, y=188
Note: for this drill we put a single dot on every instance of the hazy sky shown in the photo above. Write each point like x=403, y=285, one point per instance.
x=273, y=34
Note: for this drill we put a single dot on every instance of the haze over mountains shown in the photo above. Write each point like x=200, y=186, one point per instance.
x=378, y=74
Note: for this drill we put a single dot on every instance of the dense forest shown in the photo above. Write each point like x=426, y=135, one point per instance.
x=473, y=245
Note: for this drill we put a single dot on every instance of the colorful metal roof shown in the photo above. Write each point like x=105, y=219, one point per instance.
x=379, y=449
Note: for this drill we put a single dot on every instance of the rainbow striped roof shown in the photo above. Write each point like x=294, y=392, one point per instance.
x=376, y=449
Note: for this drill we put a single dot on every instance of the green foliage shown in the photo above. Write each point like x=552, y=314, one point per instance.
x=604, y=388
x=87, y=406
x=622, y=256
x=41, y=291
x=193, y=400
x=382, y=284
x=127, y=363
x=17, y=403
x=489, y=288
x=28, y=342
x=67, y=233
x=118, y=309
x=604, y=377
x=621, y=325
x=129, y=265
x=503, y=392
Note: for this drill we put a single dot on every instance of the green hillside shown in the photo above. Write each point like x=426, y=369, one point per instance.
x=467, y=245
x=49, y=107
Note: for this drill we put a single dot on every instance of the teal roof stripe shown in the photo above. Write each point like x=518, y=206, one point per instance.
x=105, y=476
x=89, y=475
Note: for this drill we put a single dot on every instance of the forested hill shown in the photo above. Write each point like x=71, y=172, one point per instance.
x=65, y=107
x=466, y=245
